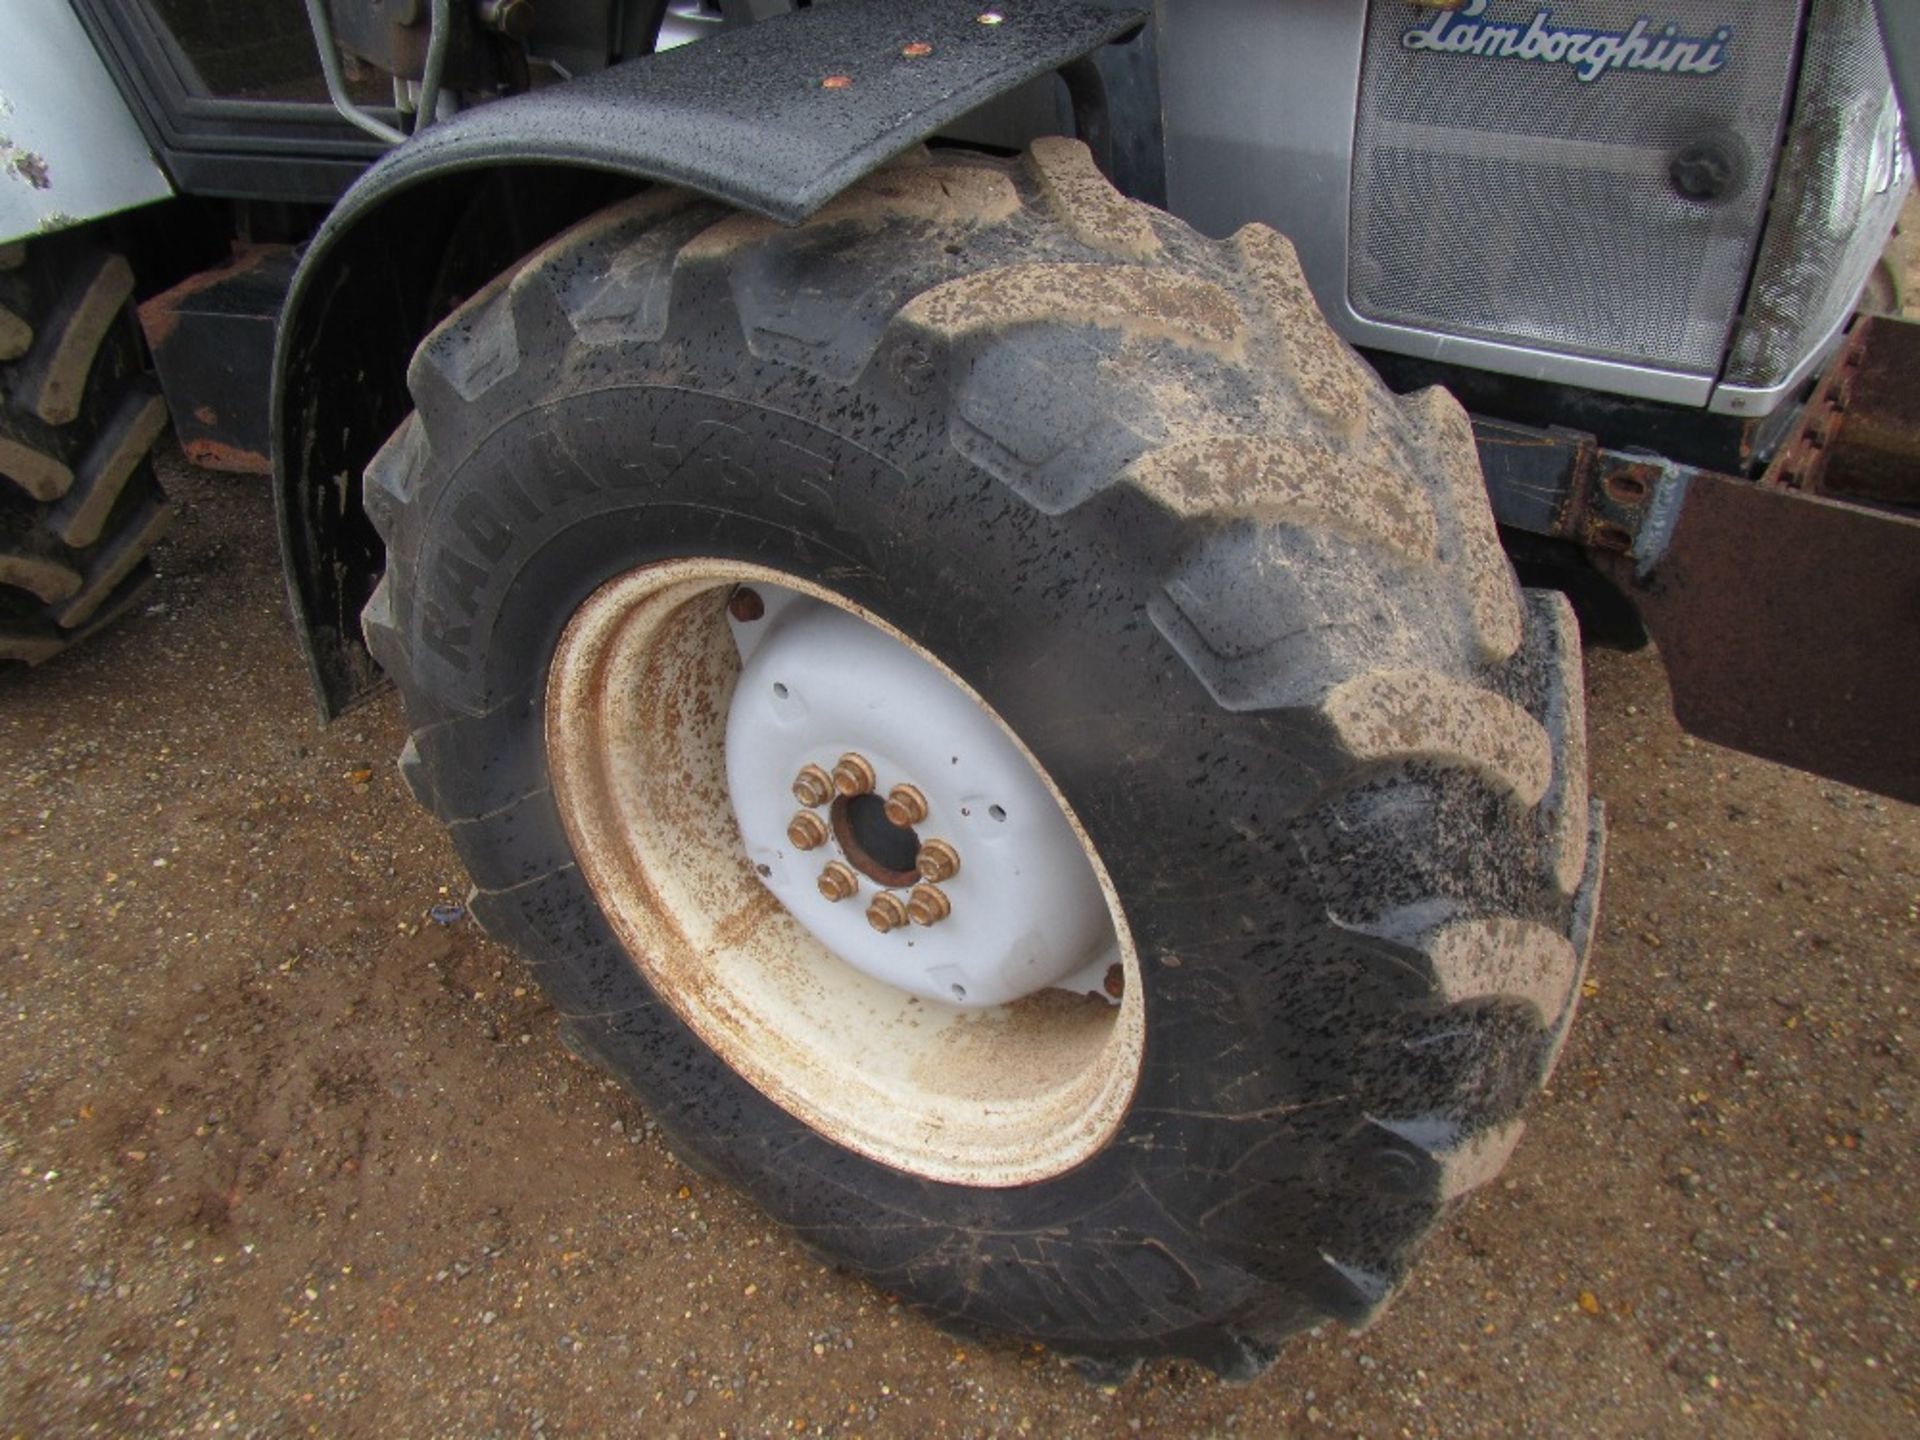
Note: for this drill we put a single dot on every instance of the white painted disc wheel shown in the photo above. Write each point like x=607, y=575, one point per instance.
x=980, y=1023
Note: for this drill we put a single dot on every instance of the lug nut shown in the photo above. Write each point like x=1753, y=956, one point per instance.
x=906, y=806
x=853, y=776
x=887, y=912
x=937, y=861
x=838, y=882
x=928, y=905
x=807, y=831
x=813, y=786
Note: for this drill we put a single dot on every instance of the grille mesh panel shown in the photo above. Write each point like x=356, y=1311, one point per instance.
x=1506, y=199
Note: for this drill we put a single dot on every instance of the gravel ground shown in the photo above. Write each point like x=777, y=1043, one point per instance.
x=284, y=1155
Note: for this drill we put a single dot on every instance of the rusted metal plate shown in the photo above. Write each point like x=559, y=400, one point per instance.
x=212, y=339
x=1788, y=618
x=1790, y=628
x=1860, y=436
x=1561, y=484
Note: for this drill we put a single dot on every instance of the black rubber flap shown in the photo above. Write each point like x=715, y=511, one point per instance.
x=782, y=115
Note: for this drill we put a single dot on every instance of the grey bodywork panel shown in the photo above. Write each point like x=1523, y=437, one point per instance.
x=1267, y=106
x=1900, y=30
x=1260, y=102
x=70, y=150
x=743, y=117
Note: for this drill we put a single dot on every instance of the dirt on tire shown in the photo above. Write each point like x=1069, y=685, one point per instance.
x=286, y=1154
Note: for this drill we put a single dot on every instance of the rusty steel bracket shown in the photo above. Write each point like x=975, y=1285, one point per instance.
x=1859, y=436
x=1787, y=611
x=1789, y=624
x=1560, y=483
x=1788, y=617
x=1632, y=508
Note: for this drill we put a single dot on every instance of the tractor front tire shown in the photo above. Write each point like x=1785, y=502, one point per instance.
x=1242, y=608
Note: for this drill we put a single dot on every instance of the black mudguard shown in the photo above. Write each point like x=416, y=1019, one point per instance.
x=748, y=117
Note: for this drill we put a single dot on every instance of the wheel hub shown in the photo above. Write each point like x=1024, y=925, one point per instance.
x=882, y=851
x=934, y=857
x=681, y=775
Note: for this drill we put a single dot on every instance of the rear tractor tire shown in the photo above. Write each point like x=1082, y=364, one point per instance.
x=994, y=722
x=79, y=505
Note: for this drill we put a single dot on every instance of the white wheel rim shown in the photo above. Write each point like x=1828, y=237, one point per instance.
x=1007, y=1084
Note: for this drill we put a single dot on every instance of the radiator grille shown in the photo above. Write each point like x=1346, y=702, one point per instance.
x=1507, y=199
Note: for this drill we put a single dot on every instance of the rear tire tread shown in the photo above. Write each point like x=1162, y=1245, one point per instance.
x=111, y=465
x=79, y=419
x=65, y=346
